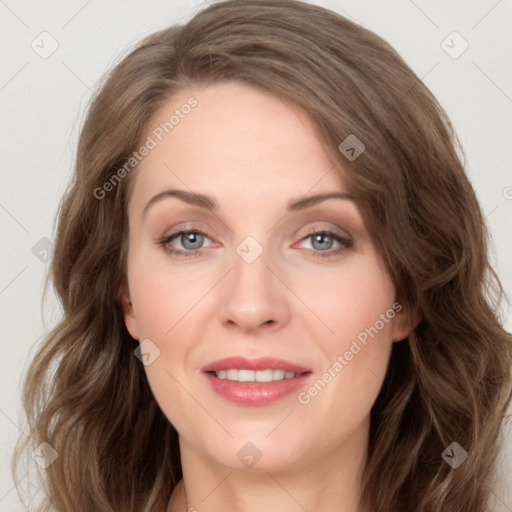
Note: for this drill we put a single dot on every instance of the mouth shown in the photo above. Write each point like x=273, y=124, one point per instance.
x=255, y=382
x=265, y=364
x=267, y=375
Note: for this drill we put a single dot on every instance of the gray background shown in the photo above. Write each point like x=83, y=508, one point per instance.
x=43, y=100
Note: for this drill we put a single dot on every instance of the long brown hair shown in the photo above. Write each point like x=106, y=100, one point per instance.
x=87, y=396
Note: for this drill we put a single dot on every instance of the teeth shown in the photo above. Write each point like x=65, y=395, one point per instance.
x=245, y=375
x=264, y=376
x=232, y=374
x=255, y=376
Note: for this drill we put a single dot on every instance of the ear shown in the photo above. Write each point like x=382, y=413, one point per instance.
x=129, y=315
x=406, y=320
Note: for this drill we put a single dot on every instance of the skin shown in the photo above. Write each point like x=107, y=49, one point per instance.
x=253, y=153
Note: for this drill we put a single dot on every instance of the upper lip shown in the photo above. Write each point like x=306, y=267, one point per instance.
x=262, y=363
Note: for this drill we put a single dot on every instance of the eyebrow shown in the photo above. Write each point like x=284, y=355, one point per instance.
x=209, y=203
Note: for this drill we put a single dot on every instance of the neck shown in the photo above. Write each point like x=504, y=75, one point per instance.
x=333, y=480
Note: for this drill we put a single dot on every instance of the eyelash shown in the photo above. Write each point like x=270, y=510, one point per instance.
x=164, y=242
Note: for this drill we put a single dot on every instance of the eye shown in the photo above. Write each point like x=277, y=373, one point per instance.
x=191, y=240
x=323, y=240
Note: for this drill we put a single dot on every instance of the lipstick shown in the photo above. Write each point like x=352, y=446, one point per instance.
x=255, y=382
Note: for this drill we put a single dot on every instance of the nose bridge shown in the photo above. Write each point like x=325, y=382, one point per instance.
x=253, y=296
x=251, y=275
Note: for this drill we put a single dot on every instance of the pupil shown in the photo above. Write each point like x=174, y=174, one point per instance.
x=194, y=239
x=320, y=238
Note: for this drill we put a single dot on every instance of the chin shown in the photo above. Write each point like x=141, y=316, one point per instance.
x=255, y=453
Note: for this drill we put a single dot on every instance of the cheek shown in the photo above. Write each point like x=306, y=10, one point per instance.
x=162, y=296
x=168, y=308
x=359, y=309
x=343, y=394
x=350, y=301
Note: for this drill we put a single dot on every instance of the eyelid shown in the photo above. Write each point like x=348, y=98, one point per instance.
x=323, y=229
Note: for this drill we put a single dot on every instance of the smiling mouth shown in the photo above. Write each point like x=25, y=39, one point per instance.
x=267, y=375
x=252, y=388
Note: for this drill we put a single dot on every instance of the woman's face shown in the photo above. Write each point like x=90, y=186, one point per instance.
x=252, y=280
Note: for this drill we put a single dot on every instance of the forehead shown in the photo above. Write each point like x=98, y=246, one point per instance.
x=237, y=142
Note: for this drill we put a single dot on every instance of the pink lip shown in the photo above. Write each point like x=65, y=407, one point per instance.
x=261, y=363
x=255, y=393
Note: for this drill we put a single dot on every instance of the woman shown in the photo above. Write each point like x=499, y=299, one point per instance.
x=214, y=353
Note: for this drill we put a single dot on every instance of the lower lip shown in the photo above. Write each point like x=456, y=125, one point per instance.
x=255, y=393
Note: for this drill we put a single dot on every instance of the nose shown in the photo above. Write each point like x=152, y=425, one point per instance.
x=253, y=296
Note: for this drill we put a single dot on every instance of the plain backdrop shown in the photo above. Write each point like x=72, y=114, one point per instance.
x=43, y=98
